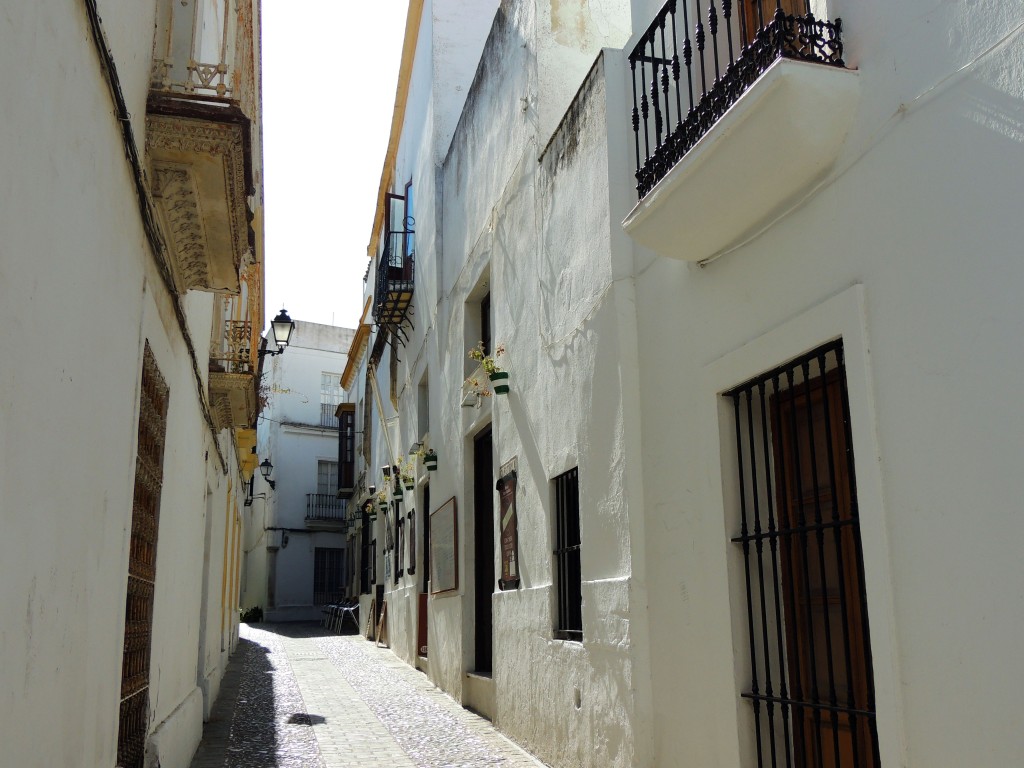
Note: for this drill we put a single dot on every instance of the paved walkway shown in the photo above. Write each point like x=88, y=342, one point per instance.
x=297, y=697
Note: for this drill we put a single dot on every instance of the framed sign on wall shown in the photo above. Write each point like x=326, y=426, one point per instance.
x=509, y=528
x=444, y=549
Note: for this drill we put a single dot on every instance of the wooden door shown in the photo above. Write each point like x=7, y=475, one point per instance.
x=759, y=13
x=483, y=550
x=826, y=632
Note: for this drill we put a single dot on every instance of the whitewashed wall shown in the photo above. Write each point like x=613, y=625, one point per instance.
x=79, y=297
x=910, y=252
x=537, y=236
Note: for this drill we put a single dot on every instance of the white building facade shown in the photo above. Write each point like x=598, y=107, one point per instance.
x=751, y=270
x=131, y=278
x=294, y=557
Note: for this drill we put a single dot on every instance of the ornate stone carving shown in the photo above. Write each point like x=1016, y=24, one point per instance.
x=198, y=177
x=232, y=399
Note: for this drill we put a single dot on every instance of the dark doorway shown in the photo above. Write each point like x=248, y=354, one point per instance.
x=421, y=629
x=483, y=550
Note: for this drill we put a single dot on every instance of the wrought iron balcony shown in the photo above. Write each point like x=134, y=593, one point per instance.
x=759, y=85
x=395, y=282
x=326, y=511
x=676, y=102
x=327, y=415
x=235, y=352
x=232, y=376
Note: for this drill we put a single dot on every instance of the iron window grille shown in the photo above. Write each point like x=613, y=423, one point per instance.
x=811, y=680
x=133, y=717
x=328, y=570
x=568, y=577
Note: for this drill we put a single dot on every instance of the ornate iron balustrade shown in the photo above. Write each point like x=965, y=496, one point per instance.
x=235, y=354
x=326, y=507
x=395, y=282
x=200, y=48
x=684, y=81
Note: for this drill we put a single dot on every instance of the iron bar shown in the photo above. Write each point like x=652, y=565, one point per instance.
x=773, y=545
x=768, y=688
x=820, y=536
x=840, y=564
x=744, y=529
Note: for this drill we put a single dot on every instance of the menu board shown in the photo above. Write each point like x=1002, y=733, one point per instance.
x=444, y=549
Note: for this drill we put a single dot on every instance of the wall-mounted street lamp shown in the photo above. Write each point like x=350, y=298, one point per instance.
x=265, y=469
x=282, y=327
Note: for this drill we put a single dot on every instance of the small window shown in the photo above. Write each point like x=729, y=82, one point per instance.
x=327, y=477
x=485, y=323
x=347, y=450
x=568, y=576
x=330, y=398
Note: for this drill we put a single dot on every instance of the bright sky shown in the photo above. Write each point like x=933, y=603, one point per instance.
x=330, y=69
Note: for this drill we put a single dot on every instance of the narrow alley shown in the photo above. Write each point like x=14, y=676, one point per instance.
x=296, y=696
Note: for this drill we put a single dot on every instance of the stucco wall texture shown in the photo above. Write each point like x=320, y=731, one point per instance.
x=81, y=296
x=905, y=248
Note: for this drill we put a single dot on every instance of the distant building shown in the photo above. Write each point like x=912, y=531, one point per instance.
x=757, y=277
x=295, y=531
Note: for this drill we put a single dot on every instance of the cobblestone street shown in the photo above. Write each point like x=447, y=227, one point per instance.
x=295, y=696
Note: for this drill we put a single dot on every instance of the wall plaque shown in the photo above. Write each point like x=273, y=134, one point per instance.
x=444, y=549
x=509, y=532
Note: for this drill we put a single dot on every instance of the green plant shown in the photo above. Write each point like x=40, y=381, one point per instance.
x=487, y=362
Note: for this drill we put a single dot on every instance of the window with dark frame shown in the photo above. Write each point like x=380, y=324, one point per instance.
x=568, y=576
x=399, y=535
x=328, y=568
x=133, y=716
x=347, y=450
x=485, y=322
x=812, y=687
x=366, y=555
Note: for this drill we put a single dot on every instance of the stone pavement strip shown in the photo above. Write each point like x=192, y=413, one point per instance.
x=297, y=697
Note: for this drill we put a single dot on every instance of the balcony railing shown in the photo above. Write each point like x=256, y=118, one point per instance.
x=395, y=282
x=327, y=415
x=325, y=507
x=700, y=56
x=235, y=352
x=201, y=49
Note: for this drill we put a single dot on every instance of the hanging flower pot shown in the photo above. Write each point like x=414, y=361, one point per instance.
x=397, y=494
x=500, y=382
x=409, y=483
x=430, y=461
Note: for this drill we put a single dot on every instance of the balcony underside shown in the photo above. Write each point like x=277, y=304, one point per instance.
x=392, y=309
x=198, y=156
x=770, y=147
x=326, y=524
x=245, y=442
x=232, y=399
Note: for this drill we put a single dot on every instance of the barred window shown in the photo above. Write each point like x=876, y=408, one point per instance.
x=327, y=575
x=811, y=682
x=567, y=557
